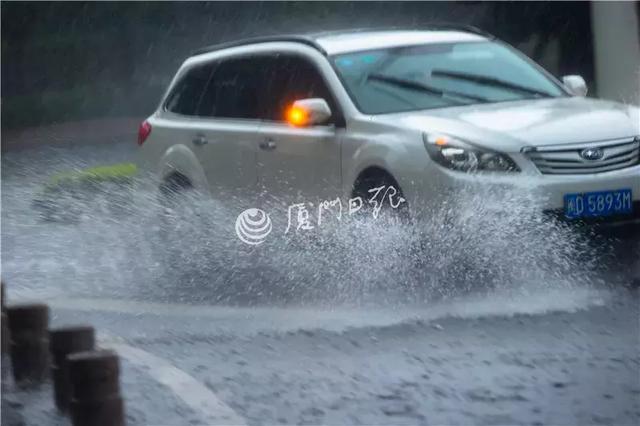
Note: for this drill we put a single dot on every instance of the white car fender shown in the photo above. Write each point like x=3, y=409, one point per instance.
x=386, y=152
x=180, y=159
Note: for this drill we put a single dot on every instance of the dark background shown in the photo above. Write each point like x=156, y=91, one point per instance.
x=67, y=61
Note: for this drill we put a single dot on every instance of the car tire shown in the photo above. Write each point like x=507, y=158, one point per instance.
x=364, y=187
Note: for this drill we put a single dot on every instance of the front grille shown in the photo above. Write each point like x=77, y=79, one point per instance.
x=566, y=159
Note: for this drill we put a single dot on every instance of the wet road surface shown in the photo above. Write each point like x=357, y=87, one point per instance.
x=555, y=349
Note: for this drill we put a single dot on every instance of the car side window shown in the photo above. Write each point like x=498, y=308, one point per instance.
x=291, y=78
x=186, y=95
x=235, y=91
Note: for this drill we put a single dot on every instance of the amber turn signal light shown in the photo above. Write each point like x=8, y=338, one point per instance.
x=297, y=116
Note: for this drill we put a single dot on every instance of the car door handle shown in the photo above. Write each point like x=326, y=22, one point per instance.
x=268, y=144
x=200, y=140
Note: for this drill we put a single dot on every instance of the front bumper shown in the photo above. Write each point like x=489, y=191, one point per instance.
x=544, y=193
x=632, y=219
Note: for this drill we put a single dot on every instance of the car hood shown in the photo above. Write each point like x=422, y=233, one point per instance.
x=509, y=126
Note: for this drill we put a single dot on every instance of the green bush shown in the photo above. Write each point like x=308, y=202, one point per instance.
x=66, y=195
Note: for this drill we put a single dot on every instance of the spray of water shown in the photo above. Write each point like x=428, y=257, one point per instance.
x=119, y=240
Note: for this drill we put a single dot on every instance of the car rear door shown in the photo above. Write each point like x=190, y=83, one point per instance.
x=222, y=130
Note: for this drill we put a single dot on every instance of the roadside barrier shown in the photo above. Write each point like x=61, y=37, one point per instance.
x=95, y=389
x=29, y=345
x=63, y=342
x=86, y=381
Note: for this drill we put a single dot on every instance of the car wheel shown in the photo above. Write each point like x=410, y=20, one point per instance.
x=381, y=198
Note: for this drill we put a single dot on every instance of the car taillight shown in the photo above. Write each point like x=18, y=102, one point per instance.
x=143, y=132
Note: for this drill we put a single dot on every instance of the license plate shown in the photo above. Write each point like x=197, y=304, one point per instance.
x=601, y=203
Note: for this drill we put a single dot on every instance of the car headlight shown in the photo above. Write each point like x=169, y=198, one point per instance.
x=455, y=154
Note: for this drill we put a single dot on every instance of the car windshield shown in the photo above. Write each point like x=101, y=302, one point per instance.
x=438, y=75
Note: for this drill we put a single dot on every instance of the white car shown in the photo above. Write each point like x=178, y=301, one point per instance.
x=432, y=113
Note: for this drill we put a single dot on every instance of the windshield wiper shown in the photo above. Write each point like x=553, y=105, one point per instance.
x=490, y=81
x=416, y=85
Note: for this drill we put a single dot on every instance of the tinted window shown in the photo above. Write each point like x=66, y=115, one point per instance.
x=291, y=78
x=257, y=87
x=235, y=89
x=185, y=96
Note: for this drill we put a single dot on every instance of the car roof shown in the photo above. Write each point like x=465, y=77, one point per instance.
x=345, y=41
x=369, y=40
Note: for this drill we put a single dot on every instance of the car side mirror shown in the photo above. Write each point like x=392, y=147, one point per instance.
x=575, y=84
x=308, y=112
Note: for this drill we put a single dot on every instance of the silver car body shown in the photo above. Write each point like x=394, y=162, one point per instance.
x=324, y=161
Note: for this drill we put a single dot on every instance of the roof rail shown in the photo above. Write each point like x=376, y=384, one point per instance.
x=261, y=39
x=309, y=39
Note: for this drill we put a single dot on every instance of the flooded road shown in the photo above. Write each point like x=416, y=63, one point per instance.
x=520, y=326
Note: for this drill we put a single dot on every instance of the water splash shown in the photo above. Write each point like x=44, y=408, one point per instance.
x=123, y=242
